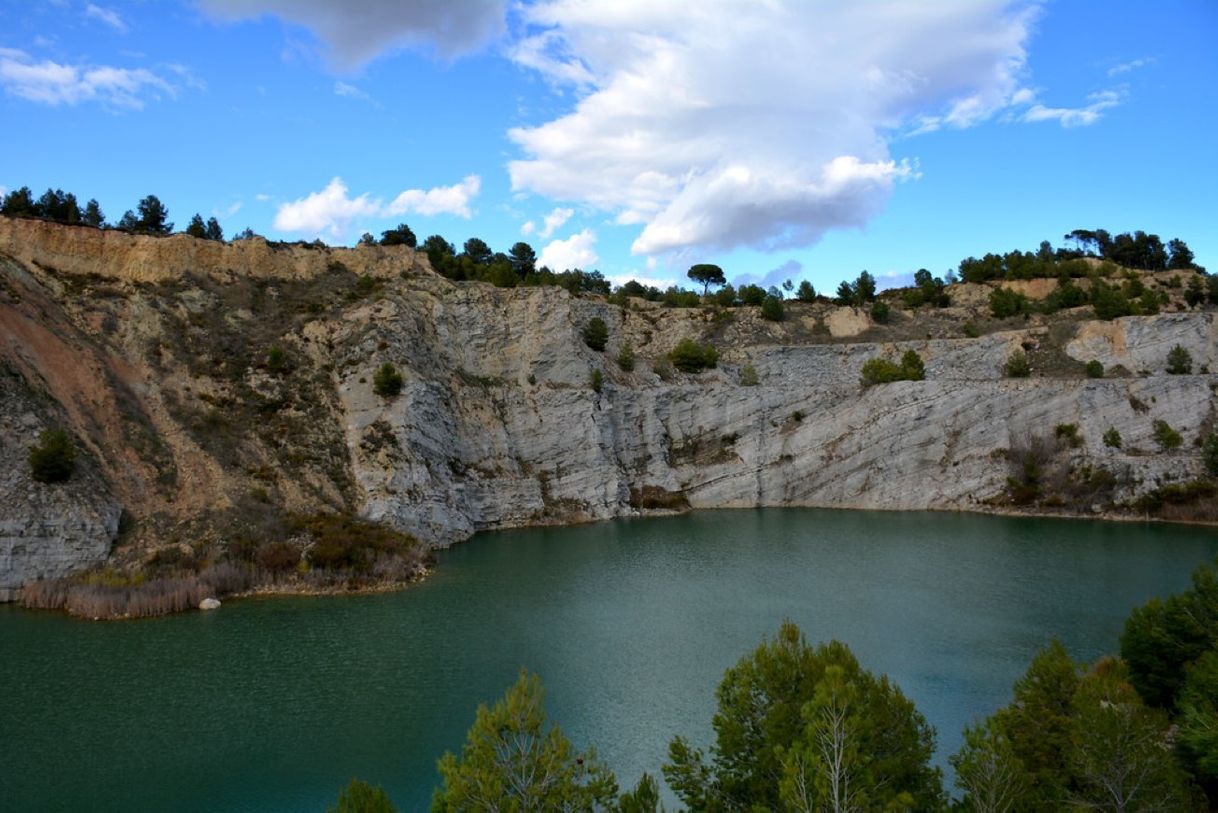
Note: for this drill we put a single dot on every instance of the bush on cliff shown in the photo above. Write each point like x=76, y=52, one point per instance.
x=883, y=371
x=690, y=357
x=596, y=333
x=54, y=458
x=387, y=381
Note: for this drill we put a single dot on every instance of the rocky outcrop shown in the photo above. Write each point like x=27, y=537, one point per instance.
x=46, y=531
x=157, y=354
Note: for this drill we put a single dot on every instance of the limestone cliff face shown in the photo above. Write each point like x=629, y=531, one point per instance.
x=154, y=352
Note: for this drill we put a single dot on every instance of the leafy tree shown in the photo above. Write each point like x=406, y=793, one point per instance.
x=1095, y=369
x=1038, y=722
x=845, y=293
x=785, y=713
x=153, y=217
x=1198, y=720
x=880, y=312
x=990, y=774
x=1109, y=301
x=387, y=381
x=1017, y=365
x=92, y=215
x=707, y=274
x=212, y=230
x=442, y=256
x=53, y=459
x=1121, y=757
x=772, y=310
x=366, y=239
x=864, y=288
x=1194, y=294
x=1162, y=637
x=1112, y=438
x=523, y=259
x=1181, y=254
x=805, y=292
x=1179, y=361
x=1167, y=437
x=512, y=761
x=477, y=251
x=880, y=371
x=361, y=797
x=196, y=228
x=690, y=357
x=645, y=798
x=912, y=367
x=401, y=235
x=748, y=376
x=725, y=297
x=596, y=333
x=752, y=294
x=20, y=203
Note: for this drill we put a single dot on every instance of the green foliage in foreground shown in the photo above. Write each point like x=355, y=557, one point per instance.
x=54, y=458
x=883, y=371
x=803, y=728
x=360, y=797
x=513, y=761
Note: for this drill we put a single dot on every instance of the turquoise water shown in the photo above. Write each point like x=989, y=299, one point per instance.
x=274, y=704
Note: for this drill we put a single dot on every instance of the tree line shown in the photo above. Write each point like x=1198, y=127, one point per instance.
x=1137, y=250
x=802, y=728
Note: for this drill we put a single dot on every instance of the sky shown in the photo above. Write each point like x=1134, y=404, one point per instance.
x=806, y=139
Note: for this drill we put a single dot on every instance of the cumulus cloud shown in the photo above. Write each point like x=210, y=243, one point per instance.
x=332, y=210
x=735, y=123
x=575, y=252
x=52, y=83
x=1075, y=116
x=358, y=30
x=790, y=270
x=549, y=224
x=439, y=200
x=328, y=211
x=106, y=16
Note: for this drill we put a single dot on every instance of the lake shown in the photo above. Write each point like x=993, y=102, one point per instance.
x=274, y=704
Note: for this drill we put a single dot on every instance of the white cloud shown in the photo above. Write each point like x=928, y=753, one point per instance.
x=331, y=210
x=228, y=211
x=790, y=270
x=736, y=123
x=262, y=197
x=1132, y=65
x=51, y=83
x=575, y=252
x=358, y=30
x=439, y=200
x=550, y=223
x=655, y=282
x=351, y=92
x=107, y=16
x=1075, y=116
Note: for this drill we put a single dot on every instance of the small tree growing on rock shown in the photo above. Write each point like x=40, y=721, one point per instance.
x=596, y=333
x=54, y=458
x=1179, y=361
x=1017, y=365
x=387, y=381
x=1167, y=438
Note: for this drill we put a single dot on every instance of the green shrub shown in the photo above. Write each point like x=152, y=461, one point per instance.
x=883, y=371
x=360, y=797
x=880, y=312
x=1068, y=434
x=663, y=368
x=596, y=333
x=748, y=376
x=1112, y=438
x=1095, y=369
x=1179, y=361
x=54, y=458
x=276, y=360
x=387, y=381
x=1004, y=302
x=970, y=330
x=912, y=367
x=625, y=358
x=1109, y=301
x=1209, y=453
x=596, y=380
x=1017, y=365
x=771, y=309
x=690, y=357
x=1166, y=437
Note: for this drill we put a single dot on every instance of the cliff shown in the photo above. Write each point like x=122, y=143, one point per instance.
x=214, y=388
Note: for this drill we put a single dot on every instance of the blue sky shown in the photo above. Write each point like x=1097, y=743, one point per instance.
x=805, y=140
